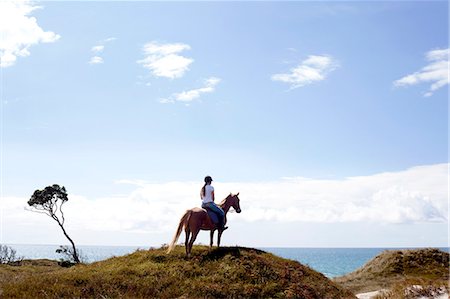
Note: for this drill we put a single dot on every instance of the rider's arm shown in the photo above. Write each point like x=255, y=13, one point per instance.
x=212, y=195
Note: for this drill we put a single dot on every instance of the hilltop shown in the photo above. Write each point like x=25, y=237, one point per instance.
x=392, y=269
x=219, y=273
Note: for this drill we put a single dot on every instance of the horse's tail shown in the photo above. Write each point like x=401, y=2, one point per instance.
x=183, y=222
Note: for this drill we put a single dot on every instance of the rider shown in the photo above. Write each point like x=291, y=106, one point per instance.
x=207, y=196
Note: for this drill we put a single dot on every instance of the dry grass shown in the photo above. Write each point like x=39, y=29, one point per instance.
x=397, y=267
x=24, y=269
x=228, y=272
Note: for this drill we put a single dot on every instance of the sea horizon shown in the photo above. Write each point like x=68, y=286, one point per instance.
x=247, y=246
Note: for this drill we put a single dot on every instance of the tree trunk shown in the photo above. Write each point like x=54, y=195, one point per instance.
x=75, y=254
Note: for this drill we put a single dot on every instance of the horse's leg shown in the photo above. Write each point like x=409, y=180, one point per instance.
x=219, y=235
x=211, y=238
x=186, y=242
x=195, y=232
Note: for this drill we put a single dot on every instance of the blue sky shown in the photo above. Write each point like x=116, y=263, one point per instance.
x=89, y=126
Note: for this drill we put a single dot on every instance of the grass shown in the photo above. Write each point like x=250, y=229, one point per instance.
x=226, y=272
x=395, y=269
x=25, y=269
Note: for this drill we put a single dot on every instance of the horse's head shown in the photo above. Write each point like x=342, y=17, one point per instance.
x=234, y=202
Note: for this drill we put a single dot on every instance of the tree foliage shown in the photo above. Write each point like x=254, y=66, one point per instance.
x=49, y=201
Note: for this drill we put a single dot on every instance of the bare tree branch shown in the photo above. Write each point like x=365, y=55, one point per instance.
x=62, y=214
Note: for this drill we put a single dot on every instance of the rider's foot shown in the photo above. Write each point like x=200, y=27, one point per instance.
x=224, y=228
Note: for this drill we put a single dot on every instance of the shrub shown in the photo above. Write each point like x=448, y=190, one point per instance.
x=8, y=255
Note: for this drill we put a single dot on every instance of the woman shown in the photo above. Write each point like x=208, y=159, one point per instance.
x=207, y=196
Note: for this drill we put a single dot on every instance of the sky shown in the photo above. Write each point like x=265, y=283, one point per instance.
x=329, y=118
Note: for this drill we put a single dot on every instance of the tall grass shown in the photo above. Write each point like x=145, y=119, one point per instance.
x=230, y=272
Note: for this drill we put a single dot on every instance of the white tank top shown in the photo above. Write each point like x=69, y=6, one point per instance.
x=208, y=194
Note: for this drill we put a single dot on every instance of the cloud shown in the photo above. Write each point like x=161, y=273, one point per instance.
x=435, y=72
x=20, y=31
x=96, y=60
x=190, y=95
x=163, y=60
x=109, y=39
x=98, y=49
x=415, y=195
x=313, y=69
x=418, y=194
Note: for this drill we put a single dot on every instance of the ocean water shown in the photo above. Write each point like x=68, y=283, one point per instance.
x=89, y=253
x=331, y=262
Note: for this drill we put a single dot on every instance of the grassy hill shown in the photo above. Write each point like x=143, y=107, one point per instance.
x=394, y=268
x=227, y=272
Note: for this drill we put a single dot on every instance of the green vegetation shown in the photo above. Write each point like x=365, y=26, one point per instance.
x=226, y=272
x=397, y=269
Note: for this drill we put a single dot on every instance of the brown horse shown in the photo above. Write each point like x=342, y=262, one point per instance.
x=197, y=219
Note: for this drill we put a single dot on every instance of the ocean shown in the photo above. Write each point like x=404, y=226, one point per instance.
x=331, y=262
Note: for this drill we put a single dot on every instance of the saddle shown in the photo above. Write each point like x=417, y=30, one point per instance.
x=213, y=216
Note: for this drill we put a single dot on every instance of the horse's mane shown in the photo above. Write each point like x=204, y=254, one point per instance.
x=224, y=200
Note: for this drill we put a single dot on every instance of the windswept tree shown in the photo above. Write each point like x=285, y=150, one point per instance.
x=50, y=201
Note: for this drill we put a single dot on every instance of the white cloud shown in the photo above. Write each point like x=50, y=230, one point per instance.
x=313, y=69
x=163, y=60
x=190, y=95
x=96, y=60
x=19, y=31
x=435, y=72
x=418, y=195
x=98, y=49
x=109, y=39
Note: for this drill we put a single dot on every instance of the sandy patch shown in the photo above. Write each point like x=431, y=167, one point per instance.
x=368, y=295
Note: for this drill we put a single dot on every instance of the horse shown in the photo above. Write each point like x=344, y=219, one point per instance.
x=197, y=219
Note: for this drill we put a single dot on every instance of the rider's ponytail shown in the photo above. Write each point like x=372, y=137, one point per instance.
x=208, y=180
x=204, y=190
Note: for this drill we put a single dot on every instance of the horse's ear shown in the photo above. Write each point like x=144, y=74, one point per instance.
x=237, y=194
